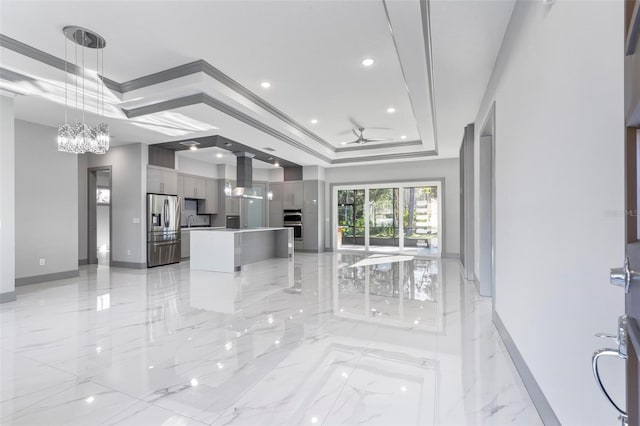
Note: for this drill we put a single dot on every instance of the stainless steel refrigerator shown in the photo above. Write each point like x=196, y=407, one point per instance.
x=163, y=229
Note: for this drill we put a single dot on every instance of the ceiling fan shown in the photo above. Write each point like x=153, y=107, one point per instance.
x=359, y=132
x=361, y=140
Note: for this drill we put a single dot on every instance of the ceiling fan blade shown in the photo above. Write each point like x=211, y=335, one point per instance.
x=377, y=140
x=346, y=132
x=355, y=132
x=378, y=128
x=355, y=123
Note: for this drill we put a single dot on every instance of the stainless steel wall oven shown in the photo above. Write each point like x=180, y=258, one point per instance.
x=293, y=219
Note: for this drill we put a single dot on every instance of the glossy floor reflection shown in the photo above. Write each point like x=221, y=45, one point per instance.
x=323, y=339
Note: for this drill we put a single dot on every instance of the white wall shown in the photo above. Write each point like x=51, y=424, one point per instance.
x=276, y=174
x=407, y=171
x=195, y=167
x=46, y=203
x=7, y=200
x=558, y=91
x=128, y=201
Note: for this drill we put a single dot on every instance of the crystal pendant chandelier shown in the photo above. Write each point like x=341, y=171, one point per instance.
x=81, y=137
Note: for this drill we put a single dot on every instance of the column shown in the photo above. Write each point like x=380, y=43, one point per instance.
x=7, y=200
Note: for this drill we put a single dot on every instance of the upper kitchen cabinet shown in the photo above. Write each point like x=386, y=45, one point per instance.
x=210, y=203
x=275, y=205
x=194, y=187
x=293, y=195
x=161, y=180
x=232, y=206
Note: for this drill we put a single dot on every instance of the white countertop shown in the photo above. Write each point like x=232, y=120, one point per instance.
x=238, y=231
x=201, y=227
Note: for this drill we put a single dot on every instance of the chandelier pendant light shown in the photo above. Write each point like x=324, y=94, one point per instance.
x=82, y=137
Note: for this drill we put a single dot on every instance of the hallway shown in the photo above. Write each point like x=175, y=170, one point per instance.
x=324, y=339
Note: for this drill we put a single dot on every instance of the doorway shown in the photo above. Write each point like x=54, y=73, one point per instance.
x=486, y=206
x=389, y=218
x=99, y=224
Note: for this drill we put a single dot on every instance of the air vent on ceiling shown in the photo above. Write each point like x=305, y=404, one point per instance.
x=266, y=148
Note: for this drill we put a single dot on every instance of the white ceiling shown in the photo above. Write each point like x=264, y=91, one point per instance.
x=310, y=51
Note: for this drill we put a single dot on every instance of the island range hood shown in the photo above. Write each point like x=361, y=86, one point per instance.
x=244, y=178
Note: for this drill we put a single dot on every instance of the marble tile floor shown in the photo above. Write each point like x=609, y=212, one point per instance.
x=328, y=339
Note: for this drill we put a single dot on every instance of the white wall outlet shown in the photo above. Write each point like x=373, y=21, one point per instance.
x=43, y=262
x=129, y=252
x=136, y=220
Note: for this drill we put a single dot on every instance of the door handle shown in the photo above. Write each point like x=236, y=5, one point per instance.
x=622, y=277
x=621, y=353
x=594, y=365
x=167, y=243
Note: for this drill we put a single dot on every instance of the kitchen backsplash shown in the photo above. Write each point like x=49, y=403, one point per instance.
x=191, y=208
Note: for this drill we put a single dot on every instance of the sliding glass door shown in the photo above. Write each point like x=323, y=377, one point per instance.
x=384, y=219
x=398, y=217
x=421, y=216
x=351, y=223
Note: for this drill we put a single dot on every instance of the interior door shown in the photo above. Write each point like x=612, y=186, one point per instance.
x=628, y=333
x=632, y=120
x=626, y=277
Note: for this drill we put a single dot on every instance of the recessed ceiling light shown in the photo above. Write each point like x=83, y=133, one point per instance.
x=367, y=62
x=270, y=158
x=276, y=164
x=265, y=84
x=193, y=148
x=314, y=121
x=344, y=143
x=391, y=110
x=403, y=137
x=219, y=155
x=227, y=144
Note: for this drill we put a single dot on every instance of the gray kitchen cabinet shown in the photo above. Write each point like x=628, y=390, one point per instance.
x=310, y=215
x=185, y=244
x=181, y=190
x=162, y=181
x=195, y=187
x=210, y=203
x=275, y=204
x=232, y=206
x=293, y=195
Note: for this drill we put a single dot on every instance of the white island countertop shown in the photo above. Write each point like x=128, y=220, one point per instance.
x=238, y=231
x=191, y=228
x=227, y=250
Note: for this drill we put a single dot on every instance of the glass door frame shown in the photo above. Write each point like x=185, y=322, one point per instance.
x=385, y=185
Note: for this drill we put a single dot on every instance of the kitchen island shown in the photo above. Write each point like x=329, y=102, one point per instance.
x=227, y=250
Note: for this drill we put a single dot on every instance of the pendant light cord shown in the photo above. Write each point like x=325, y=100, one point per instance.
x=65, y=81
x=83, y=78
x=97, y=84
x=76, y=74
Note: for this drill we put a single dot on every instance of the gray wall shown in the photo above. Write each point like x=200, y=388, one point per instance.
x=82, y=208
x=407, y=171
x=46, y=203
x=128, y=202
x=7, y=201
